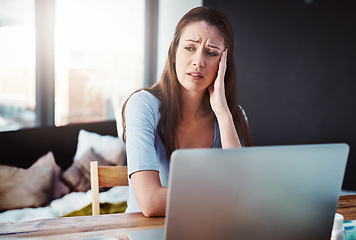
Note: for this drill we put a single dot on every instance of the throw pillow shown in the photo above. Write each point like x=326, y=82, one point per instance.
x=22, y=188
x=78, y=175
x=59, y=188
x=109, y=147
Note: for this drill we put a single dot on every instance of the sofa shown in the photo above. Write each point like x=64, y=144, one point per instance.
x=44, y=171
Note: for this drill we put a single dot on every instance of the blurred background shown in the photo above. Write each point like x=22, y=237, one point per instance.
x=64, y=62
x=98, y=49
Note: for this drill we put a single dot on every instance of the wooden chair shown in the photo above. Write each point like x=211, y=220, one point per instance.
x=105, y=176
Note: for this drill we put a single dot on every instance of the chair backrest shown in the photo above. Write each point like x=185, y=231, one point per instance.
x=105, y=176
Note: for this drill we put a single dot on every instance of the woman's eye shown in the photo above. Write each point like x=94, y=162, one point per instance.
x=189, y=48
x=211, y=53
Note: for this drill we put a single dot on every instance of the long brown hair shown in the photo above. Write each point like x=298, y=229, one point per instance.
x=168, y=90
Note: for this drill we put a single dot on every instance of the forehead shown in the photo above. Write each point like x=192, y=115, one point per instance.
x=201, y=31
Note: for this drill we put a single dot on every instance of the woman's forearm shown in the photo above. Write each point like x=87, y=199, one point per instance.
x=228, y=133
x=151, y=197
x=155, y=204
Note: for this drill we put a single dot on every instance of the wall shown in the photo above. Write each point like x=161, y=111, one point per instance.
x=296, y=63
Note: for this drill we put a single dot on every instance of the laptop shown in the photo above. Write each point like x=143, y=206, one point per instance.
x=270, y=192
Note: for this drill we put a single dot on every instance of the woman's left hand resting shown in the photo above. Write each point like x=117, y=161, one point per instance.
x=217, y=89
x=218, y=102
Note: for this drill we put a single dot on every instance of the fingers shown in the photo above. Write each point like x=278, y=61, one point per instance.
x=219, y=81
x=222, y=64
x=218, y=100
x=223, y=57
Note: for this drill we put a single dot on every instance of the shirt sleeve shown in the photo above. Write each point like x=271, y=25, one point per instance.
x=141, y=115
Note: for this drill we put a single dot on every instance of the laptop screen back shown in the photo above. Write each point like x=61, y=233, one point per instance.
x=275, y=192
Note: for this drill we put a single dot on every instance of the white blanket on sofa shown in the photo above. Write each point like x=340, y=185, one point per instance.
x=65, y=205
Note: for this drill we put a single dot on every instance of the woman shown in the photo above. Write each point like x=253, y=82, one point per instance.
x=194, y=105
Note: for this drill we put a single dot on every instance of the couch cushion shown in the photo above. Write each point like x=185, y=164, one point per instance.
x=59, y=189
x=78, y=175
x=110, y=148
x=21, y=188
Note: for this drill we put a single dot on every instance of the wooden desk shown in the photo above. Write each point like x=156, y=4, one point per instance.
x=111, y=225
x=347, y=207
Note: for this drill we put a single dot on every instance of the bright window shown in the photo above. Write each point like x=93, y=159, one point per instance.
x=99, y=50
x=17, y=64
x=98, y=59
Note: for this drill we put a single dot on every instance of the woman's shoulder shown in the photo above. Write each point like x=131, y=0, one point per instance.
x=144, y=95
x=143, y=99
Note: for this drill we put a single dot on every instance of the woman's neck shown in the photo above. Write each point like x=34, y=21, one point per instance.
x=194, y=105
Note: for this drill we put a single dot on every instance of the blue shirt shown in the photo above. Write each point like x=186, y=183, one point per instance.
x=144, y=148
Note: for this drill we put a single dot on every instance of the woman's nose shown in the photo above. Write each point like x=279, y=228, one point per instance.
x=198, y=59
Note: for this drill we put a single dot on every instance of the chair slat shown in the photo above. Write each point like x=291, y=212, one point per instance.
x=105, y=176
x=110, y=176
x=94, y=187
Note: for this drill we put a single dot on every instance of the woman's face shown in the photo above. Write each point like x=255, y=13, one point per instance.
x=198, y=55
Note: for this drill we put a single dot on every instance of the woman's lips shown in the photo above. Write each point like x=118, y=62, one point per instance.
x=195, y=75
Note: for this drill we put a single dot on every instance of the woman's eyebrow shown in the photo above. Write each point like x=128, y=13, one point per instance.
x=213, y=46
x=197, y=41
x=192, y=40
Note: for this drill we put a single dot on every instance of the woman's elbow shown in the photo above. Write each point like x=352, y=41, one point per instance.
x=150, y=209
x=153, y=206
x=150, y=213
